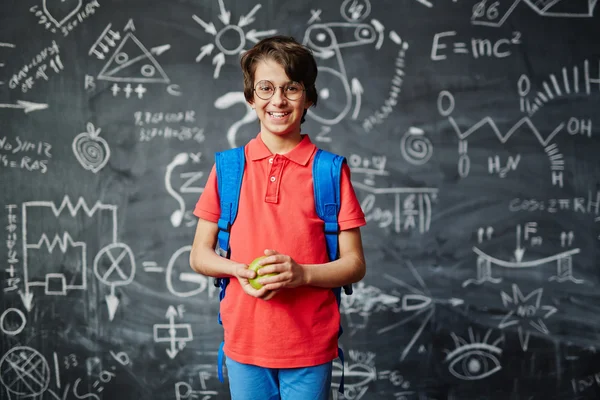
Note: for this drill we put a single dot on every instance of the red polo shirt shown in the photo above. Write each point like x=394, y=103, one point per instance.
x=298, y=327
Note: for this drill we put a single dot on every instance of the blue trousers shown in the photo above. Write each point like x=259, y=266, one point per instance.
x=249, y=382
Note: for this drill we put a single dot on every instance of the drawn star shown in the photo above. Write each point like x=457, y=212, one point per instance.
x=526, y=311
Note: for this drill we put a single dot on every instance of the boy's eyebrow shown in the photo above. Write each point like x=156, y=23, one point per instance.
x=290, y=81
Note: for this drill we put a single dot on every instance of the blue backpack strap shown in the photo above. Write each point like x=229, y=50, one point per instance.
x=230, y=171
x=327, y=171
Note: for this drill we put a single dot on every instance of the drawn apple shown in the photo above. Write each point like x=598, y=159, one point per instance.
x=90, y=149
x=255, y=266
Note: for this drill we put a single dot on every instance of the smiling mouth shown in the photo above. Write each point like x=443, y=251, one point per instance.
x=278, y=114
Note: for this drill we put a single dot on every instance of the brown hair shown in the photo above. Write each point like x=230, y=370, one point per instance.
x=297, y=61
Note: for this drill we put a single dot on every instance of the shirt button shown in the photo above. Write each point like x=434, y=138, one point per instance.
x=270, y=161
x=272, y=179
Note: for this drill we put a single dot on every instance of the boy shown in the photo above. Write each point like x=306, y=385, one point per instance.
x=280, y=340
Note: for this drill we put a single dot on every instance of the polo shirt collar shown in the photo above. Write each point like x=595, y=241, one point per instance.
x=301, y=154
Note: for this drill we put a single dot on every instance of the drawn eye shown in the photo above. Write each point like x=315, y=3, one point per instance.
x=477, y=361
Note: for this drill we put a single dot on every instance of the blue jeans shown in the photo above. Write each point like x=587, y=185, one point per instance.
x=249, y=382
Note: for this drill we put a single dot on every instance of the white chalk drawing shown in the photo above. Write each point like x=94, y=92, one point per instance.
x=228, y=100
x=229, y=34
x=335, y=86
x=181, y=281
x=443, y=44
x=415, y=147
x=355, y=10
x=12, y=327
x=184, y=390
x=24, y=372
x=526, y=234
x=575, y=81
x=60, y=11
x=207, y=377
x=175, y=334
x=526, y=312
x=180, y=261
x=412, y=207
x=2, y=64
x=411, y=211
x=190, y=186
x=495, y=13
x=26, y=106
x=90, y=149
x=475, y=358
x=333, y=82
x=113, y=265
x=360, y=371
x=445, y=104
x=417, y=302
x=105, y=42
x=365, y=301
x=133, y=62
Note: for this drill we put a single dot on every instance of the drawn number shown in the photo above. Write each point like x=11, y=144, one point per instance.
x=481, y=10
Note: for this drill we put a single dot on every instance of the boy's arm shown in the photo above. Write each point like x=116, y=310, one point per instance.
x=204, y=259
x=349, y=268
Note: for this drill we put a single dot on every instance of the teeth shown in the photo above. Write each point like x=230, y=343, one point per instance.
x=278, y=115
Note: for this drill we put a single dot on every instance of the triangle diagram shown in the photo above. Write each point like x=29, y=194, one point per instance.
x=132, y=62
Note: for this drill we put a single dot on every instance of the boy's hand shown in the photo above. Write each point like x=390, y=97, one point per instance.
x=289, y=273
x=243, y=274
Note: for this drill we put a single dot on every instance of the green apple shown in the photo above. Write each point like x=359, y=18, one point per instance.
x=254, y=266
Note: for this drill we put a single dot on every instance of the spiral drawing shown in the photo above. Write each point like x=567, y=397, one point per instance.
x=90, y=149
x=91, y=152
x=416, y=148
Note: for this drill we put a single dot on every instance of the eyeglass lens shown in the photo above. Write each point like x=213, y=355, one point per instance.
x=265, y=90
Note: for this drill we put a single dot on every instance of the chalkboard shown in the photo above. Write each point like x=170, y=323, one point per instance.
x=472, y=131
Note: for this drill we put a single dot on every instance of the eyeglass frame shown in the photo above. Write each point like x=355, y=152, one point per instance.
x=275, y=87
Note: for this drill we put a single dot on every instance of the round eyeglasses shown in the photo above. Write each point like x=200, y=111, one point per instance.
x=265, y=90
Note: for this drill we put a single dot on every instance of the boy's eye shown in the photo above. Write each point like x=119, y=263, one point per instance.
x=293, y=88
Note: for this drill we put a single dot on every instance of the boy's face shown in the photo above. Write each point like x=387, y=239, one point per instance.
x=278, y=115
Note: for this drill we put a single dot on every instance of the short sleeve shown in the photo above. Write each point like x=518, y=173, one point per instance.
x=208, y=206
x=351, y=214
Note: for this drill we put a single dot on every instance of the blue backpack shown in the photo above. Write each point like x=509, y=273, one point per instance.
x=327, y=169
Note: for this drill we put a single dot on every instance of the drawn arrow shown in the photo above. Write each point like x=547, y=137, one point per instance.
x=27, y=298
x=158, y=50
x=357, y=90
x=27, y=106
x=218, y=62
x=112, y=302
x=210, y=27
x=205, y=51
x=171, y=314
x=225, y=15
x=248, y=19
x=254, y=35
x=519, y=251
